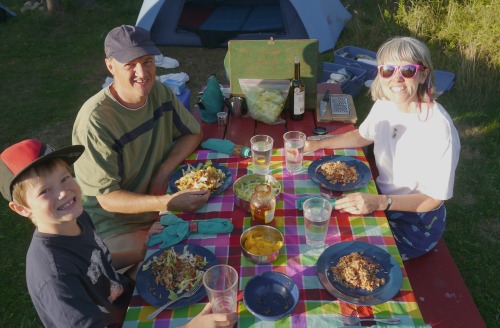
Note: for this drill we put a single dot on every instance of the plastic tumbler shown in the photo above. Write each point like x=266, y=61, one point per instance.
x=317, y=212
x=294, y=150
x=221, y=284
x=262, y=147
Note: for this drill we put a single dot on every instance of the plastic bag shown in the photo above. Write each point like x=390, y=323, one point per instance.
x=265, y=98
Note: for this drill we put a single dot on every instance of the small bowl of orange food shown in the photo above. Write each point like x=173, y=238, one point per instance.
x=261, y=244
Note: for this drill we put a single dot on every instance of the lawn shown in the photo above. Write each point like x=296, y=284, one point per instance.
x=52, y=64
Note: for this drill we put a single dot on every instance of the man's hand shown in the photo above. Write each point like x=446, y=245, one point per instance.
x=156, y=228
x=207, y=319
x=188, y=200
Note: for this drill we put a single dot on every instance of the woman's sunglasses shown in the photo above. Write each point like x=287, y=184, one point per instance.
x=406, y=71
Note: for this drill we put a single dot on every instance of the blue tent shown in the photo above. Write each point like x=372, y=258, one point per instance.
x=214, y=22
x=4, y=10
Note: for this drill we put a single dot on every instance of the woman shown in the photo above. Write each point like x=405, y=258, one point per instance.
x=416, y=148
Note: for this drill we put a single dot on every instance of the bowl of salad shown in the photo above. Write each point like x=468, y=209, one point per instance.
x=243, y=188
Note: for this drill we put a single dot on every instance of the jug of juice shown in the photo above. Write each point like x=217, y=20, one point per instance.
x=262, y=205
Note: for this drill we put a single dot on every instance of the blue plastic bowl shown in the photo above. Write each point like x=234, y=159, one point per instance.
x=271, y=296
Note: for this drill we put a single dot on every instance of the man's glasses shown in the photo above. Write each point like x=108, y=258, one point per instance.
x=406, y=71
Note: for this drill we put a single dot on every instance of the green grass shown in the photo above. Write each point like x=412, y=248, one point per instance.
x=52, y=64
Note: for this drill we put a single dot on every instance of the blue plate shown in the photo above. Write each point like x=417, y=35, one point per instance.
x=389, y=270
x=364, y=173
x=271, y=295
x=157, y=295
x=178, y=174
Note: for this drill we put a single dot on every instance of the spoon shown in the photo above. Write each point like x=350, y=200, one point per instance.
x=354, y=320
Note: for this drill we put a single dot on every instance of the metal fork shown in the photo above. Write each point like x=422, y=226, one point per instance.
x=354, y=320
x=190, y=293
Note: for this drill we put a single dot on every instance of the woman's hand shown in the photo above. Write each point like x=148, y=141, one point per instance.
x=207, y=319
x=310, y=146
x=360, y=203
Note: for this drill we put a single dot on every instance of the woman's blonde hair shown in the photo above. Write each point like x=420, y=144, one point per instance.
x=405, y=49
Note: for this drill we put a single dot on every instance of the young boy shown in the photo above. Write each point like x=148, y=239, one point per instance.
x=68, y=268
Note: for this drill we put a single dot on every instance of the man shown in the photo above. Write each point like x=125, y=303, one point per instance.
x=136, y=133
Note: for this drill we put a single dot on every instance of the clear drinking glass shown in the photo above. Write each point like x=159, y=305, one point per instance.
x=221, y=284
x=222, y=118
x=294, y=150
x=262, y=147
x=317, y=212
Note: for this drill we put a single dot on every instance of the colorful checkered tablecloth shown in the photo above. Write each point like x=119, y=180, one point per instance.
x=316, y=307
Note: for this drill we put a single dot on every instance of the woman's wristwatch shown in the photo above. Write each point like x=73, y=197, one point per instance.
x=389, y=202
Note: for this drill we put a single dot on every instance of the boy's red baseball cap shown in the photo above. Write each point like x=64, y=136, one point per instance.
x=23, y=155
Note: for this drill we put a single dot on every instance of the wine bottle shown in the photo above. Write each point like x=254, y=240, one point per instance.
x=298, y=93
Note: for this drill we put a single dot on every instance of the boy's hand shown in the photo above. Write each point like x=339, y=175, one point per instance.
x=207, y=319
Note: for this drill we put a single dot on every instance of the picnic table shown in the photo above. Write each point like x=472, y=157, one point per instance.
x=432, y=291
x=316, y=307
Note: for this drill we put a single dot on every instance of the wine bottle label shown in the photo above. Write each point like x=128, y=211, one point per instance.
x=298, y=101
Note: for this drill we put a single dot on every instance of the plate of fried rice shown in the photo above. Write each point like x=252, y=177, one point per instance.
x=339, y=173
x=359, y=273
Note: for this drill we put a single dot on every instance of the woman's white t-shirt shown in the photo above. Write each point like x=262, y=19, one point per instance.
x=415, y=153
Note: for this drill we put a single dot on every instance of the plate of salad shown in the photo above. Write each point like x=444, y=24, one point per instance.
x=168, y=273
